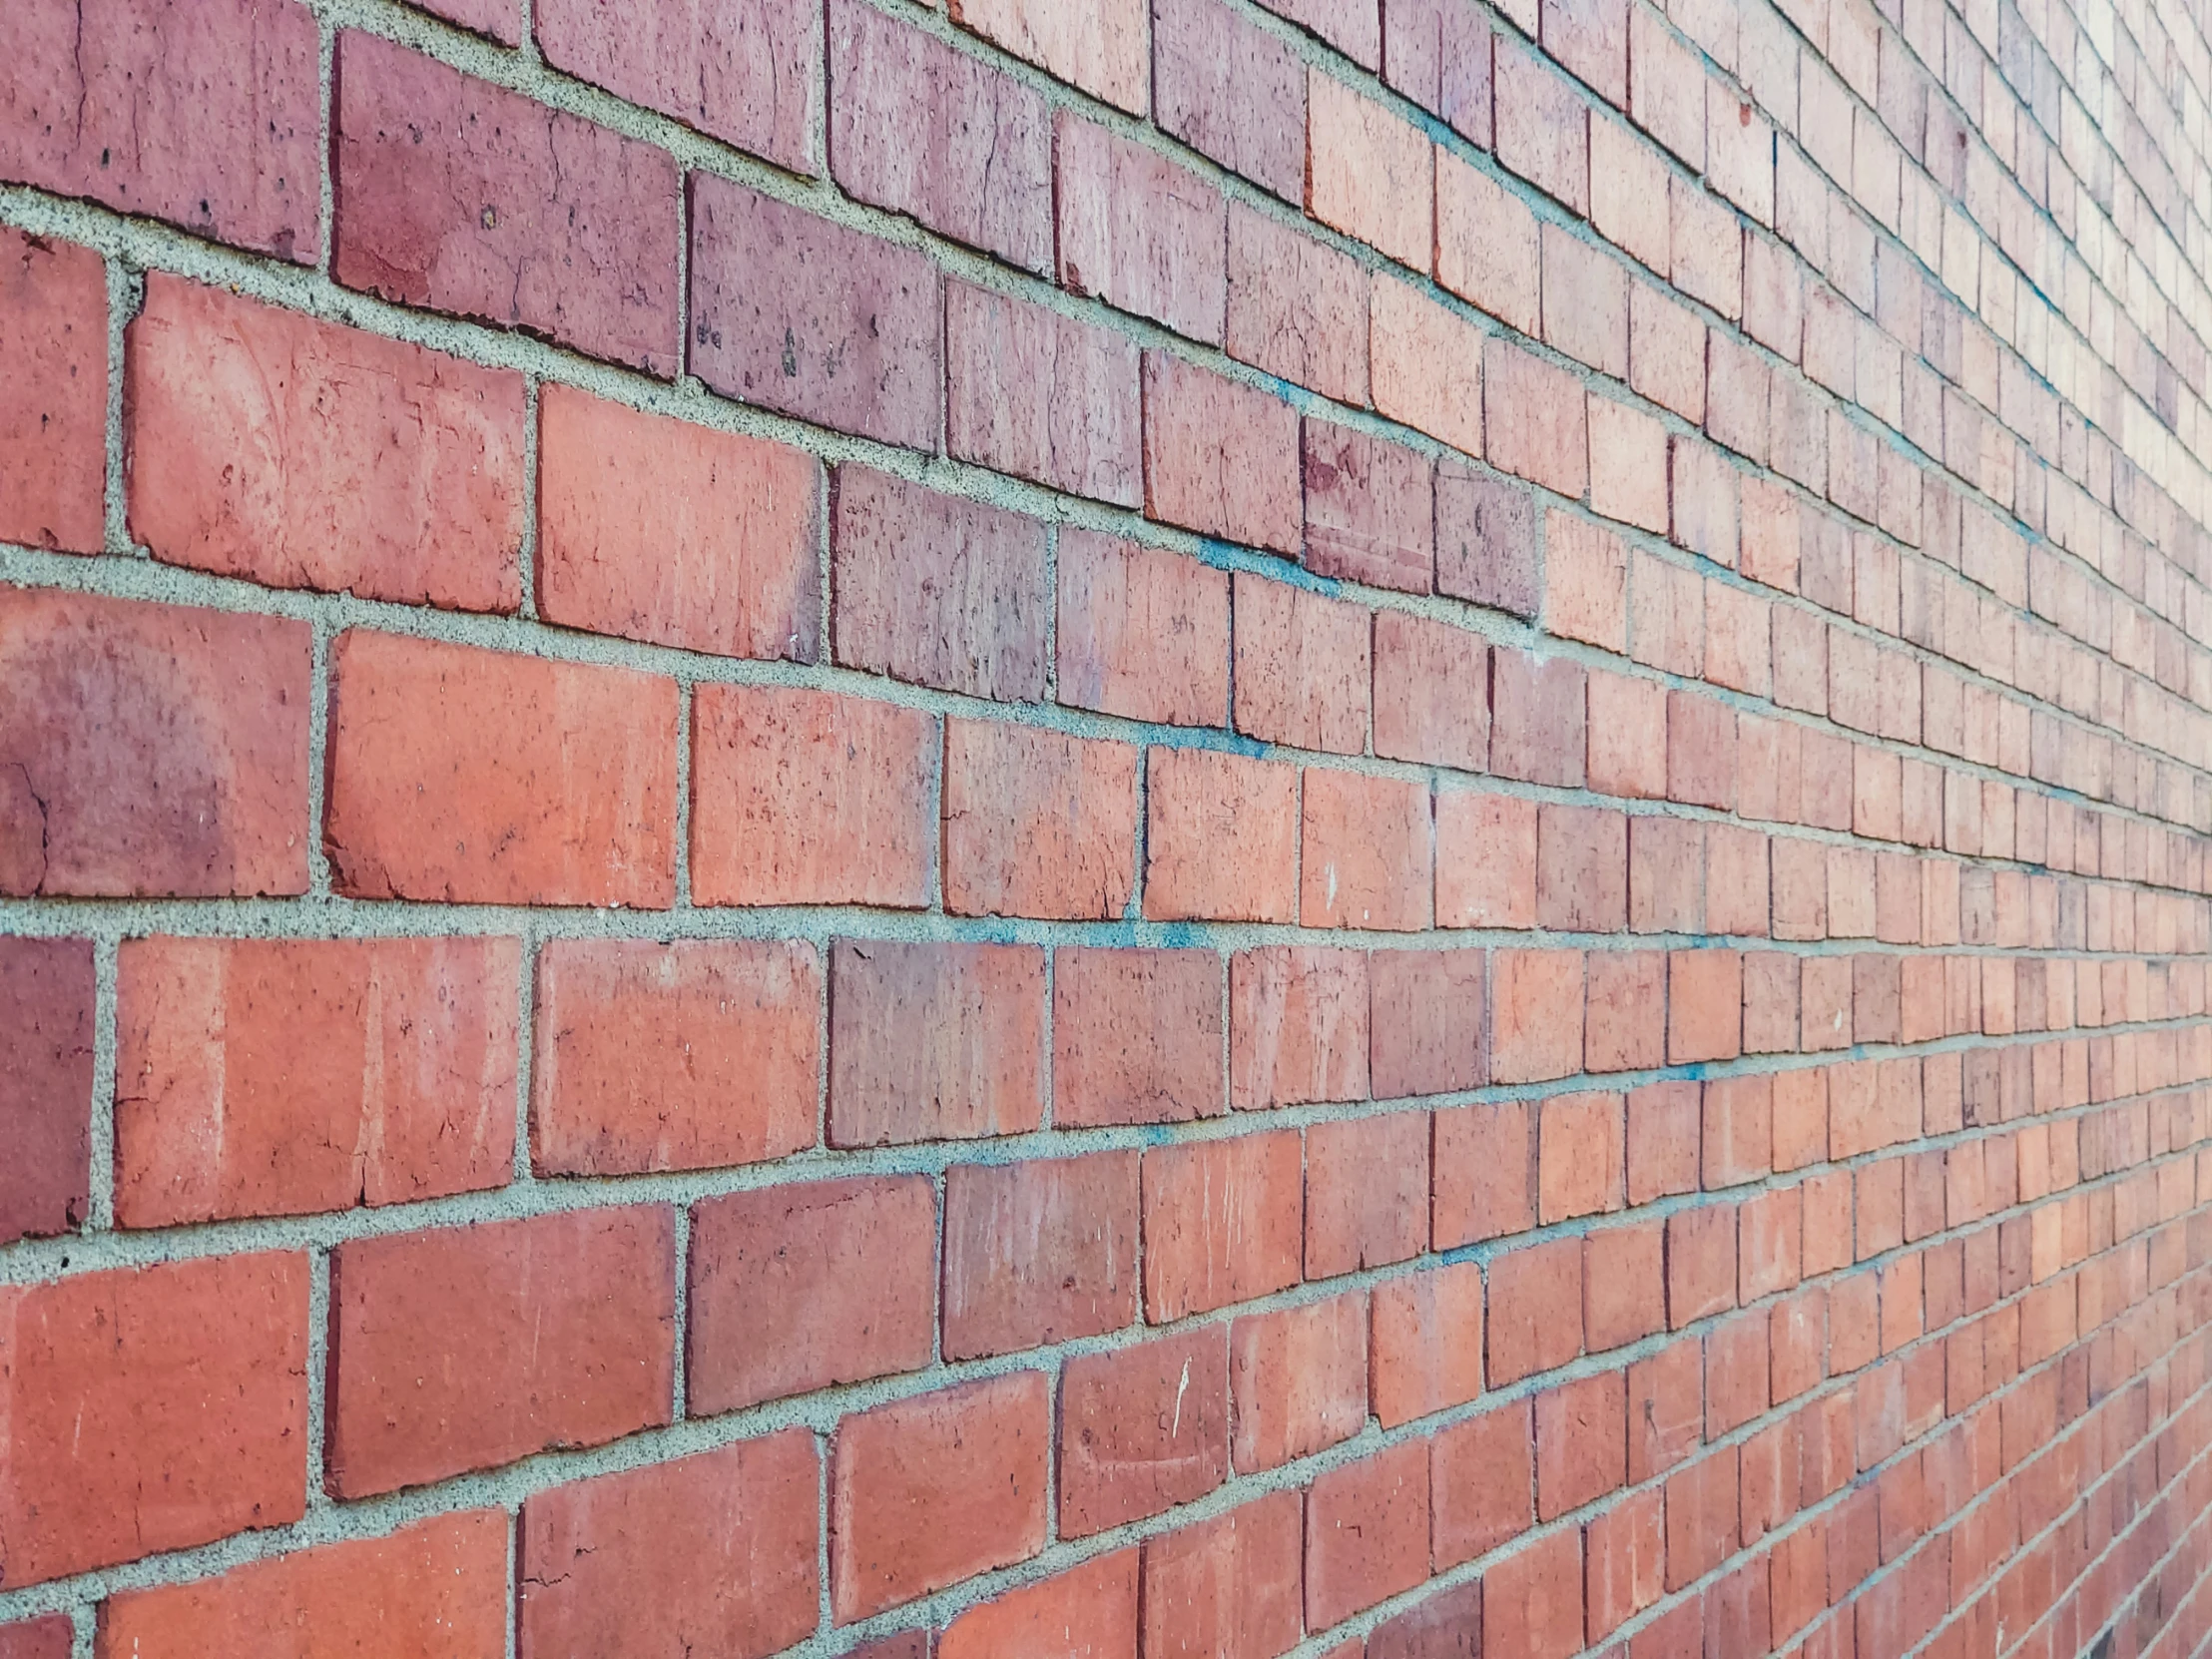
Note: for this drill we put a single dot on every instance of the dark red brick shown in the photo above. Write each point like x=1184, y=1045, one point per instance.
x=46, y=1073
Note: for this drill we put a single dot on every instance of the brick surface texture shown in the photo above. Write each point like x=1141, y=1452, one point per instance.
x=1106, y=828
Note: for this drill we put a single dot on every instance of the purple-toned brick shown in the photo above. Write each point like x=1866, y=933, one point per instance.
x=1485, y=540
x=936, y=590
x=1369, y=509
x=744, y=71
x=921, y=129
x=1041, y=395
x=1231, y=91
x=499, y=20
x=462, y=197
x=804, y=316
x=206, y=113
x=1220, y=457
x=1297, y=306
x=46, y=1011
x=1140, y=233
x=1438, y=53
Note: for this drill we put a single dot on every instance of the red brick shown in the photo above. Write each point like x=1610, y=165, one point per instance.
x=1140, y=233
x=1303, y=667
x=1627, y=735
x=1663, y=1140
x=1142, y=632
x=1038, y=1252
x=694, y=1055
x=151, y=1409
x=1297, y=1380
x=462, y=197
x=1625, y=1023
x=1666, y=871
x=1701, y=1517
x=1585, y=305
x=298, y=453
x=1367, y=857
x=1485, y=540
x=844, y=1271
x=1444, y=1625
x=1539, y=718
x=716, y=1549
x=1736, y=1373
x=807, y=797
x=1701, y=750
x=1488, y=249
x=1098, y=45
x=1666, y=1409
x=1624, y=1290
x=1535, y=1310
x=1230, y=90
x=260, y=1077
x=1485, y=860
x=1368, y=172
x=1143, y=1429
x=1581, y=869
x=1298, y=1026
x=1704, y=1005
x=1227, y=1588
x=927, y=1492
x=54, y=371
x=1543, y=126
x=206, y=116
x=1220, y=457
x=1586, y=577
x=1701, y=1263
x=1221, y=837
x=659, y=530
x=1367, y=1533
x=465, y=776
x=1535, y=417
x=1041, y=395
x=1739, y=1130
x=1533, y=1600
x=1036, y=823
x=1369, y=509
x=1485, y=1172
x=1483, y=1483
x=1224, y=1222
x=1424, y=1040
x=47, y=1007
x=1579, y=1156
x=934, y=1041
x=938, y=591
x=150, y=748
x=1625, y=1562
x=920, y=129
x=1438, y=53
x=1297, y=308
x=1366, y=1193
x=1431, y=691
x=1425, y=1350
x=467, y=1348
x=1535, y=1015
x=436, y=1587
x=744, y=71
x=1086, y=1612
x=1136, y=1036
x=1581, y=1443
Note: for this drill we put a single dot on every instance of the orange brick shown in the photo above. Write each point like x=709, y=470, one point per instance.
x=1485, y=1172
x=1536, y=1015
x=1485, y=860
x=1036, y=823
x=1143, y=633
x=1536, y=420
x=1586, y=575
x=1486, y=244
x=1098, y=1599
x=1425, y=1347
x=1221, y=840
x=1579, y=1156
x=1368, y=856
x=1482, y=1482
x=1297, y=1380
x=1367, y=1533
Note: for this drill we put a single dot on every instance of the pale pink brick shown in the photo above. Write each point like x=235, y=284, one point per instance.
x=1369, y=509
x=1231, y=90
x=1427, y=366
x=1486, y=244
x=1099, y=45
x=1368, y=172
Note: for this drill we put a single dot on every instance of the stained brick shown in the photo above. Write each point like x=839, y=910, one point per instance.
x=811, y=320
x=932, y=589
x=102, y=794
x=742, y=72
x=54, y=375
x=1041, y=395
x=1143, y=1429
x=921, y=129
x=462, y=197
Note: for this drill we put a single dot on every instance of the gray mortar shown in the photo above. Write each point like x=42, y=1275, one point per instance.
x=131, y=244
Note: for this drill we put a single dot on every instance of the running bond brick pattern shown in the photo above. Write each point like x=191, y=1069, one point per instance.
x=1105, y=828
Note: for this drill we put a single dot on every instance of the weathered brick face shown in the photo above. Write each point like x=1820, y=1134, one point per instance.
x=1105, y=830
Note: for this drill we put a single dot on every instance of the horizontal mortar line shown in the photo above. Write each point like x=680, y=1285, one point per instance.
x=149, y=580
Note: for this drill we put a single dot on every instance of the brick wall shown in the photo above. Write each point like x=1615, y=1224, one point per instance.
x=1111, y=828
